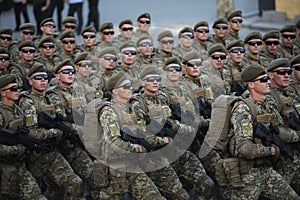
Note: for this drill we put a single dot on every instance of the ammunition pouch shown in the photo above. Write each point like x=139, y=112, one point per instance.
x=9, y=180
x=100, y=174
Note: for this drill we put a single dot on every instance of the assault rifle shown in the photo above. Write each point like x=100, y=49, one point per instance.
x=129, y=136
x=161, y=130
x=270, y=136
x=20, y=136
x=293, y=121
x=204, y=108
x=238, y=88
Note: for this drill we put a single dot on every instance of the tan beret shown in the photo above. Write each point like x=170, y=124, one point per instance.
x=201, y=23
x=234, y=13
x=185, y=30
x=163, y=34
x=144, y=15
x=66, y=34
x=46, y=39
x=216, y=48
x=69, y=19
x=252, y=35
x=149, y=69
x=116, y=79
x=279, y=62
x=235, y=43
x=88, y=29
x=66, y=62
x=27, y=26
x=4, y=51
x=251, y=72
x=7, y=79
x=295, y=60
x=144, y=37
x=6, y=30
x=171, y=60
x=37, y=67
x=288, y=28
x=126, y=45
x=107, y=50
x=46, y=20
x=219, y=21
x=270, y=34
x=106, y=25
x=26, y=43
x=82, y=56
x=190, y=56
x=125, y=21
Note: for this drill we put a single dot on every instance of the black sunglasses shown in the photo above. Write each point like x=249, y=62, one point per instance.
x=187, y=36
x=85, y=64
x=46, y=46
x=291, y=36
x=238, y=50
x=283, y=72
x=204, y=30
x=144, y=44
x=236, y=20
x=6, y=58
x=28, y=50
x=68, y=41
x=70, y=26
x=109, y=58
x=167, y=41
x=50, y=25
x=145, y=21
x=89, y=36
x=258, y=43
x=218, y=56
x=153, y=78
x=126, y=86
x=14, y=88
x=40, y=77
x=172, y=68
x=6, y=38
x=127, y=52
x=108, y=32
x=221, y=27
x=67, y=71
x=275, y=42
x=28, y=32
x=263, y=79
x=193, y=64
x=127, y=29
x=297, y=67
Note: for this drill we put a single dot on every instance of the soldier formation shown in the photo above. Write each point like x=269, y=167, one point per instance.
x=78, y=121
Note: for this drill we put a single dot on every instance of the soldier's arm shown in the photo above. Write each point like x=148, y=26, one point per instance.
x=111, y=131
x=243, y=135
x=56, y=100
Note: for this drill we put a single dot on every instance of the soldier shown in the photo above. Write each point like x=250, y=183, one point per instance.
x=69, y=24
x=4, y=61
x=145, y=49
x=287, y=38
x=220, y=27
x=128, y=63
x=17, y=182
x=65, y=101
x=51, y=164
x=107, y=34
x=297, y=42
x=151, y=104
x=68, y=45
x=253, y=44
x=271, y=49
x=47, y=47
x=287, y=101
x=5, y=37
x=188, y=166
x=295, y=63
x=114, y=117
x=126, y=32
x=201, y=32
x=235, y=21
x=235, y=65
x=47, y=27
x=165, y=46
x=253, y=156
x=143, y=23
x=215, y=69
x=27, y=32
x=185, y=42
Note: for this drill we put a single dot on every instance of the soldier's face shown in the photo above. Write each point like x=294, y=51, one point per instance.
x=4, y=61
x=47, y=49
x=235, y=23
x=254, y=46
x=288, y=38
x=260, y=87
x=218, y=59
x=126, y=30
x=39, y=81
x=48, y=28
x=201, y=33
x=65, y=75
x=84, y=68
x=173, y=72
x=166, y=44
x=186, y=39
x=193, y=67
x=8, y=94
x=128, y=55
x=236, y=54
x=5, y=40
x=144, y=24
x=89, y=39
x=107, y=35
x=124, y=91
x=281, y=77
x=271, y=45
x=27, y=34
x=27, y=53
x=68, y=44
x=69, y=27
x=108, y=61
x=296, y=72
x=145, y=47
x=221, y=30
x=151, y=83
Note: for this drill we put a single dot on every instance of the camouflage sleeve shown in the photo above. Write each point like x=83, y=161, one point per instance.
x=31, y=120
x=109, y=122
x=243, y=135
x=56, y=100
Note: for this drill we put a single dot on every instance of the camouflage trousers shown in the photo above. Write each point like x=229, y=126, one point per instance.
x=266, y=182
x=191, y=172
x=168, y=183
x=17, y=182
x=57, y=170
x=289, y=169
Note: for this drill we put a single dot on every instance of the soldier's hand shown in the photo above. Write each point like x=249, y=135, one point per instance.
x=167, y=140
x=276, y=151
x=21, y=150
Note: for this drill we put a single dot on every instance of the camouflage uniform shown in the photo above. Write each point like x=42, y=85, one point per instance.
x=132, y=71
x=255, y=166
x=52, y=164
x=114, y=117
x=266, y=57
x=103, y=44
x=17, y=181
x=250, y=60
x=180, y=51
x=165, y=178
